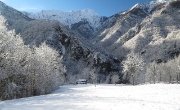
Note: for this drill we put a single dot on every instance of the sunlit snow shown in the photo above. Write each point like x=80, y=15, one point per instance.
x=102, y=97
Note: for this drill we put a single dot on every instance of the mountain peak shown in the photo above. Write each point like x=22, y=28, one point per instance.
x=162, y=1
x=147, y=7
x=68, y=18
x=86, y=11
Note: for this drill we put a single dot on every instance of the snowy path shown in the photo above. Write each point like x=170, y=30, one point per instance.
x=102, y=97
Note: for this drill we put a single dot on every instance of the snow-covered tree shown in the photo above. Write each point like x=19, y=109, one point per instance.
x=24, y=70
x=93, y=74
x=151, y=72
x=131, y=66
x=167, y=72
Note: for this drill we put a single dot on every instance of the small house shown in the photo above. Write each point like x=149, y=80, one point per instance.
x=81, y=81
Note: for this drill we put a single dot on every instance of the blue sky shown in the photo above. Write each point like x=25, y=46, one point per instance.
x=102, y=7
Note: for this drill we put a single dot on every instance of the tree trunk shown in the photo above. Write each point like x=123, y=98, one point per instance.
x=177, y=78
x=170, y=78
x=154, y=80
x=160, y=77
x=133, y=78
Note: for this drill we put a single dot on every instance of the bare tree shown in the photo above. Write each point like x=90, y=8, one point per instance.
x=153, y=71
x=178, y=75
x=93, y=74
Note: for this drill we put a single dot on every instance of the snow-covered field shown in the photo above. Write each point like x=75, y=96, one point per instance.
x=102, y=97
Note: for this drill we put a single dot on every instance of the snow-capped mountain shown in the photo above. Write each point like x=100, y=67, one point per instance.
x=118, y=24
x=150, y=30
x=69, y=18
x=149, y=6
x=94, y=19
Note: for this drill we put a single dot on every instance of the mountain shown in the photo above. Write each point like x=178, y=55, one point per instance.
x=36, y=56
x=84, y=22
x=117, y=25
x=124, y=26
x=150, y=30
x=68, y=18
x=87, y=21
x=149, y=6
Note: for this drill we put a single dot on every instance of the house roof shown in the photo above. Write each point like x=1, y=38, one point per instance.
x=81, y=80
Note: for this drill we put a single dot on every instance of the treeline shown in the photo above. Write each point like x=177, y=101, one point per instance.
x=137, y=71
x=168, y=72
x=26, y=70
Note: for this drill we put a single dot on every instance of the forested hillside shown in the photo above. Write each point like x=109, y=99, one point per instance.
x=37, y=56
x=147, y=33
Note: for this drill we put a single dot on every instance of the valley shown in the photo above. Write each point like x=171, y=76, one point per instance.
x=40, y=52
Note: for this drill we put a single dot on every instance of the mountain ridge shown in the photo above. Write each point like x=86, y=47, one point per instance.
x=86, y=14
x=68, y=18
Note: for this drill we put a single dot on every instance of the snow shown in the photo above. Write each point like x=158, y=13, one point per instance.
x=162, y=1
x=81, y=80
x=135, y=6
x=147, y=7
x=68, y=18
x=102, y=97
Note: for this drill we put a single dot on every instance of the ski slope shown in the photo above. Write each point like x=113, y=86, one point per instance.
x=102, y=97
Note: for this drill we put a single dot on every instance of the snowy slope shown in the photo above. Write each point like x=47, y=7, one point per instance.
x=11, y=13
x=148, y=7
x=68, y=18
x=102, y=97
x=125, y=25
